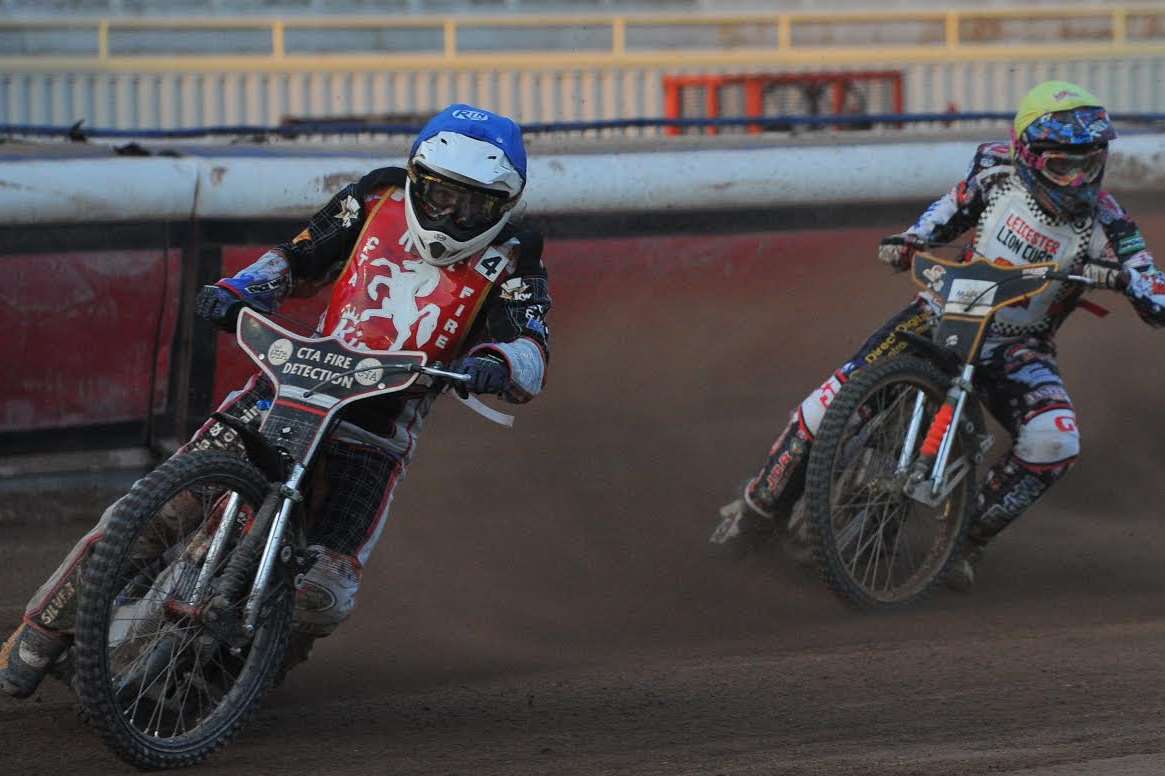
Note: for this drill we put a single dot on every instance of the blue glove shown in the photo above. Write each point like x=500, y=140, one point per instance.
x=487, y=374
x=219, y=306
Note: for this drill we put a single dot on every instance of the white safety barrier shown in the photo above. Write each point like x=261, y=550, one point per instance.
x=93, y=191
x=102, y=190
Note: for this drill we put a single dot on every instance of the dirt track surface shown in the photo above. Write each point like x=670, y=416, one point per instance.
x=540, y=602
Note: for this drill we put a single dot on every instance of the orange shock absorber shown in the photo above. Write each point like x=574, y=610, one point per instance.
x=938, y=430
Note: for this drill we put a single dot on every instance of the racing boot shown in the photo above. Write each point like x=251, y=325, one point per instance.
x=1011, y=487
x=741, y=530
x=27, y=657
x=961, y=577
x=797, y=544
x=299, y=647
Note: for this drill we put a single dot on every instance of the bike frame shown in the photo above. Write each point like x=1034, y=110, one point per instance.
x=314, y=378
x=969, y=295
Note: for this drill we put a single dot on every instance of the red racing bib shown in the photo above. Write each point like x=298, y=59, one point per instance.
x=387, y=298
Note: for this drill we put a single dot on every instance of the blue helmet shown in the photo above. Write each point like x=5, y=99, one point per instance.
x=467, y=171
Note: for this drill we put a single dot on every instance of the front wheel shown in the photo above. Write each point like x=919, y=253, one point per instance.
x=165, y=683
x=875, y=546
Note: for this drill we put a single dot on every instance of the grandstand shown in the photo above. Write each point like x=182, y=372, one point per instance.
x=138, y=65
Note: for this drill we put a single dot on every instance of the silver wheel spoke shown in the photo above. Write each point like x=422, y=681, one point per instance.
x=878, y=531
x=173, y=676
x=850, y=533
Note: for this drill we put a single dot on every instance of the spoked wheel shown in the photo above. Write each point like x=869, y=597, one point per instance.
x=875, y=546
x=164, y=669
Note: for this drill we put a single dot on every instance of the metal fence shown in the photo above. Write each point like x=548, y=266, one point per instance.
x=152, y=73
x=132, y=8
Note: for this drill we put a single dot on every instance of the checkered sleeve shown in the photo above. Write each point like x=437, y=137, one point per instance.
x=515, y=319
x=959, y=209
x=1122, y=243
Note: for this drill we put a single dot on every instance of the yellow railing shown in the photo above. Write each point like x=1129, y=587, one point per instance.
x=606, y=41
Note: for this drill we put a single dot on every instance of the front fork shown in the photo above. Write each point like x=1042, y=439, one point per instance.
x=217, y=544
x=931, y=487
x=291, y=496
x=958, y=395
x=272, y=547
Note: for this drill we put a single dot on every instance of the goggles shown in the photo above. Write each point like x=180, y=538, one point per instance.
x=466, y=207
x=1071, y=168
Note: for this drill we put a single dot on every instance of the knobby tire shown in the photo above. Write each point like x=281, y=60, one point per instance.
x=104, y=579
x=911, y=372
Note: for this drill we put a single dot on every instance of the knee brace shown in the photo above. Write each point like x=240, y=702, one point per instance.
x=812, y=410
x=1048, y=439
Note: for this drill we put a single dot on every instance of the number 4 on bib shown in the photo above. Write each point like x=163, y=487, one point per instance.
x=491, y=264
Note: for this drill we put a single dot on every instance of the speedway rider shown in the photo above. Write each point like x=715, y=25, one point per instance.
x=1038, y=199
x=422, y=258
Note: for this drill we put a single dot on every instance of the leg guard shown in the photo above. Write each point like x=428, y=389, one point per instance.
x=1011, y=487
x=26, y=658
x=351, y=506
x=780, y=481
x=349, y=501
x=247, y=405
x=358, y=481
x=54, y=606
x=1027, y=395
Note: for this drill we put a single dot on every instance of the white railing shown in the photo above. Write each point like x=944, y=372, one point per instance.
x=173, y=73
x=564, y=40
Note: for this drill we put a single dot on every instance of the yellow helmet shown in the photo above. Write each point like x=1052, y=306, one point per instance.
x=1052, y=97
x=1059, y=144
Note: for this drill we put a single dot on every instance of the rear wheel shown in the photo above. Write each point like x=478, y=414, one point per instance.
x=163, y=688
x=875, y=546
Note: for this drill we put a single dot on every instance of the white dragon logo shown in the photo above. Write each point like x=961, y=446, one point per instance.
x=417, y=279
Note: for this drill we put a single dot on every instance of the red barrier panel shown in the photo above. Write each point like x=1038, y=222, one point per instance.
x=689, y=283
x=664, y=271
x=82, y=329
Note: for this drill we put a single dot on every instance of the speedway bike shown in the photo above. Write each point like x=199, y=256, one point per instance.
x=185, y=607
x=891, y=477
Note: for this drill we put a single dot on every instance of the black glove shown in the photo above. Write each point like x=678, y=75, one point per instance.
x=487, y=374
x=219, y=306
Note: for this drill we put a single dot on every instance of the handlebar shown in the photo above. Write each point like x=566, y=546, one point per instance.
x=913, y=243
x=457, y=377
x=1069, y=278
